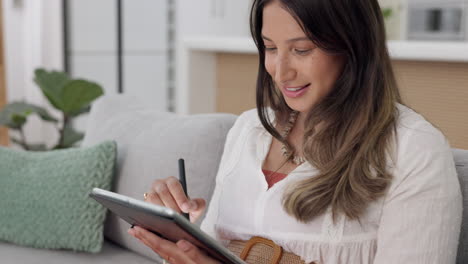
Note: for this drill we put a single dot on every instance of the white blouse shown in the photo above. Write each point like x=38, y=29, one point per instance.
x=417, y=221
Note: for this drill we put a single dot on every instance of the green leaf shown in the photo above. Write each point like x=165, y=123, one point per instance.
x=33, y=147
x=78, y=94
x=51, y=84
x=11, y=119
x=70, y=96
x=14, y=115
x=387, y=12
x=18, y=119
x=70, y=137
x=81, y=111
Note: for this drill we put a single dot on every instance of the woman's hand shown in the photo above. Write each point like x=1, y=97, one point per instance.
x=182, y=252
x=168, y=192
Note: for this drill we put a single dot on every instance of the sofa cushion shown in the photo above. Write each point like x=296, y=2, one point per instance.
x=110, y=254
x=149, y=144
x=461, y=163
x=44, y=196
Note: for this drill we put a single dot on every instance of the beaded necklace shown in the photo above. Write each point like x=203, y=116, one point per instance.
x=287, y=152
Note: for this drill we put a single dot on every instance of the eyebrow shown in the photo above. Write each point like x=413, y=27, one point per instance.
x=289, y=40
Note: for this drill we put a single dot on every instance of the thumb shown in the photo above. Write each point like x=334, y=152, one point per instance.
x=200, y=205
x=193, y=205
x=195, y=253
x=196, y=208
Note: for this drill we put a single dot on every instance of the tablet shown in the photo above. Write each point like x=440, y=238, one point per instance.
x=164, y=222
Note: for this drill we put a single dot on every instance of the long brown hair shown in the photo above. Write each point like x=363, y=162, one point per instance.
x=357, y=118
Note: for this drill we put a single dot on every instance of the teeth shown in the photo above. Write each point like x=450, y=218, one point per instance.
x=294, y=89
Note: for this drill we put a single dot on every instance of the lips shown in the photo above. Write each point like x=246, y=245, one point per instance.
x=294, y=92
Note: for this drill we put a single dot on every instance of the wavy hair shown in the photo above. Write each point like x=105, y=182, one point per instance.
x=352, y=146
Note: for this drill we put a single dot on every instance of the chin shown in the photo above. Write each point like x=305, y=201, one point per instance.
x=298, y=106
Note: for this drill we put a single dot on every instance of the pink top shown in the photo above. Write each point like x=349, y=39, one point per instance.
x=272, y=177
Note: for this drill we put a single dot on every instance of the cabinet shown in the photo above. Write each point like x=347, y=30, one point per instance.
x=101, y=32
x=213, y=18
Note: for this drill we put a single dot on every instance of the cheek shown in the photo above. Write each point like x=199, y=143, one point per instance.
x=328, y=72
x=270, y=65
x=334, y=72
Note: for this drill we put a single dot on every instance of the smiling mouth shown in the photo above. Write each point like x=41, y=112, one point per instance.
x=297, y=88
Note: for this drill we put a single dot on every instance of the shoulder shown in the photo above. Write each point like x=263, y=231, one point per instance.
x=237, y=138
x=414, y=132
x=423, y=154
x=245, y=122
x=248, y=119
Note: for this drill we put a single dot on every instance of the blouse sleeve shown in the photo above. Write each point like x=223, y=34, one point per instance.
x=421, y=218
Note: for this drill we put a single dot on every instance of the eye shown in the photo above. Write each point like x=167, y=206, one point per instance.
x=302, y=51
x=270, y=49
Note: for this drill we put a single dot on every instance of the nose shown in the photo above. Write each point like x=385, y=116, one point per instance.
x=284, y=70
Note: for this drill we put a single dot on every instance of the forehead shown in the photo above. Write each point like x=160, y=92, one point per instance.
x=279, y=23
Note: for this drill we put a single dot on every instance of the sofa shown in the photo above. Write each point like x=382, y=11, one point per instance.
x=149, y=144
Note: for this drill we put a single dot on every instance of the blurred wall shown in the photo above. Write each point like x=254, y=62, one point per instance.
x=395, y=23
x=33, y=38
x=4, y=139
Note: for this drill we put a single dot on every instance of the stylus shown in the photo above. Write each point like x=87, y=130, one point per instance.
x=183, y=181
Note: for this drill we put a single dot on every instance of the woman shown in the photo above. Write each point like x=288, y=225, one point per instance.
x=331, y=167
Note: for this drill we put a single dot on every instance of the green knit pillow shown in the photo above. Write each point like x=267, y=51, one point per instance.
x=44, y=196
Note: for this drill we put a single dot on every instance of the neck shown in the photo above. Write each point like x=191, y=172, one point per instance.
x=297, y=133
x=299, y=126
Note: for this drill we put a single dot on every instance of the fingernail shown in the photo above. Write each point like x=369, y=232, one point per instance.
x=193, y=205
x=185, y=207
x=184, y=245
x=131, y=231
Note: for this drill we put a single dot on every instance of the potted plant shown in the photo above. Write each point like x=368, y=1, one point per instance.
x=72, y=97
